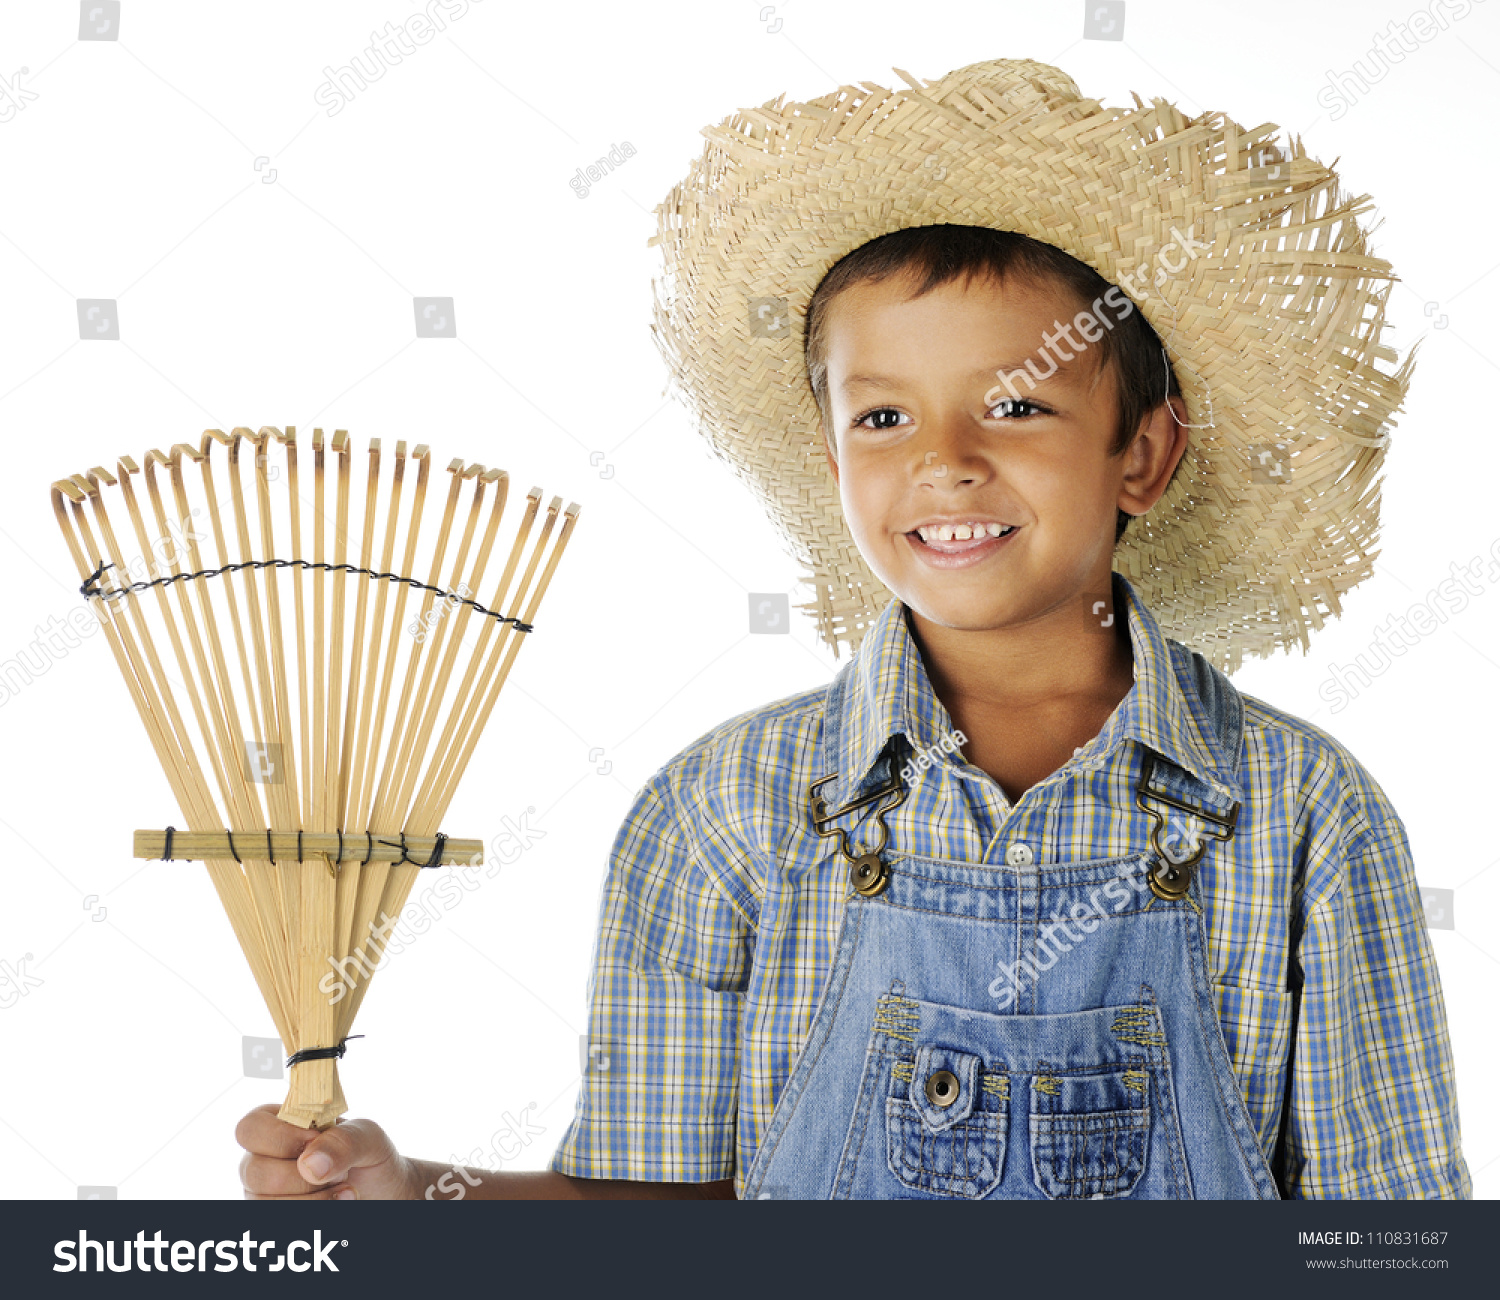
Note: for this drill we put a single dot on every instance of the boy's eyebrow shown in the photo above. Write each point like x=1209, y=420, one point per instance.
x=868, y=381
x=1004, y=367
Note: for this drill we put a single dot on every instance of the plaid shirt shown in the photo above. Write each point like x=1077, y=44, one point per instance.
x=715, y=935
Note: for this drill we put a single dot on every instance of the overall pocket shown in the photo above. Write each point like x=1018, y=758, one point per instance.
x=1089, y=1132
x=945, y=1120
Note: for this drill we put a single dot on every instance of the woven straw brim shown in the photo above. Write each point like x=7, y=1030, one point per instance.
x=1274, y=329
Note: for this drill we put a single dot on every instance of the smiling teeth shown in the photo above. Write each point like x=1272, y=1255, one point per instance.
x=960, y=532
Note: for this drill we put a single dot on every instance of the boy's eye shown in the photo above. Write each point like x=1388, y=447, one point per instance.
x=859, y=422
x=1012, y=406
x=1008, y=408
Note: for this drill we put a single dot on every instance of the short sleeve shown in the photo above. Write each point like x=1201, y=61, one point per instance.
x=1374, y=1111
x=666, y=989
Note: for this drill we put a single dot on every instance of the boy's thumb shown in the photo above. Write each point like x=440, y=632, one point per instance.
x=326, y=1158
x=330, y=1155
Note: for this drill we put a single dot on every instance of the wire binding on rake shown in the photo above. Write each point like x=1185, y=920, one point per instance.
x=91, y=586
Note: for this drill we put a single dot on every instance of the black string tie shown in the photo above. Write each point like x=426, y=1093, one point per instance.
x=435, y=860
x=319, y=1053
x=91, y=583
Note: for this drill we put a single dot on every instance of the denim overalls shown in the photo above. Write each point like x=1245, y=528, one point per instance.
x=1036, y=1030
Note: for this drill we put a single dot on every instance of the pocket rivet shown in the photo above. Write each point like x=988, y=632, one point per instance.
x=942, y=1087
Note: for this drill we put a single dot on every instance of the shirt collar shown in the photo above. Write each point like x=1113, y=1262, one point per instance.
x=890, y=694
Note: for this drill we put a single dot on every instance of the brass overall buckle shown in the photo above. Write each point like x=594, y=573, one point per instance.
x=1170, y=877
x=868, y=872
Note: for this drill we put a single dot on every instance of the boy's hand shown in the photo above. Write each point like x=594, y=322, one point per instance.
x=352, y=1159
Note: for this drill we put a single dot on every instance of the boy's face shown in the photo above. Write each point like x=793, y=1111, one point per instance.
x=914, y=440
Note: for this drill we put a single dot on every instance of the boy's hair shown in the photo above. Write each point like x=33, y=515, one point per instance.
x=1144, y=377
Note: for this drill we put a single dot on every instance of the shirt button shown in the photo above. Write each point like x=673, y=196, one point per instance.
x=1019, y=854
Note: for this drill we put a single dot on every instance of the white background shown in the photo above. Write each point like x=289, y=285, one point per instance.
x=247, y=300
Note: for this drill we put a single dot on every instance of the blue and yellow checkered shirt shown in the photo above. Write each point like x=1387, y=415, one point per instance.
x=712, y=947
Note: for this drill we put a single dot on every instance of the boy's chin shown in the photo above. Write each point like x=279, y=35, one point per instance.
x=963, y=607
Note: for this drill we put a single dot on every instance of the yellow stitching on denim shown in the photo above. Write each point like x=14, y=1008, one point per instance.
x=893, y=1015
x=1138, y=1026
x=903, y=1070
x=1136, y=1080
x=1046, y=1083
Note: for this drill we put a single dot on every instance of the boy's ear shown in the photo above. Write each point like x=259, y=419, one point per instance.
x=1151, y=459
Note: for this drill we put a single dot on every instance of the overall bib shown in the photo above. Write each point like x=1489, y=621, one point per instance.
x=1031, y=1030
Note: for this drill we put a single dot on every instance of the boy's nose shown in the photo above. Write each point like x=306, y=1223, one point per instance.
x=949, y=454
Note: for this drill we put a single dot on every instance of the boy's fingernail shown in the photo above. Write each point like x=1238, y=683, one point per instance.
x=318, y=1164
x=348, y=1194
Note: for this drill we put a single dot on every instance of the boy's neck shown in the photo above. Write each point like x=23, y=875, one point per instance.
x=1026, y=697
x=1040, y=666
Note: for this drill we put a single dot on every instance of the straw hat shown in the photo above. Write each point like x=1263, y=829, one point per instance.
x=1240, y=251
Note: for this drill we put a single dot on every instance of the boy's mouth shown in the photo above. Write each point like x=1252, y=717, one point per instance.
x=942, y=549
x=948, y=539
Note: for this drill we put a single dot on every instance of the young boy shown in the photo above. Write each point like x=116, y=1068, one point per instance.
x=1031, y=902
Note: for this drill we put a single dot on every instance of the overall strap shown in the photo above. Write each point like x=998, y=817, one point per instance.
x=836, y=793
x=1187, y=811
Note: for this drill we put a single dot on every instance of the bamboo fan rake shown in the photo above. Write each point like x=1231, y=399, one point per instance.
x=313, y=711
